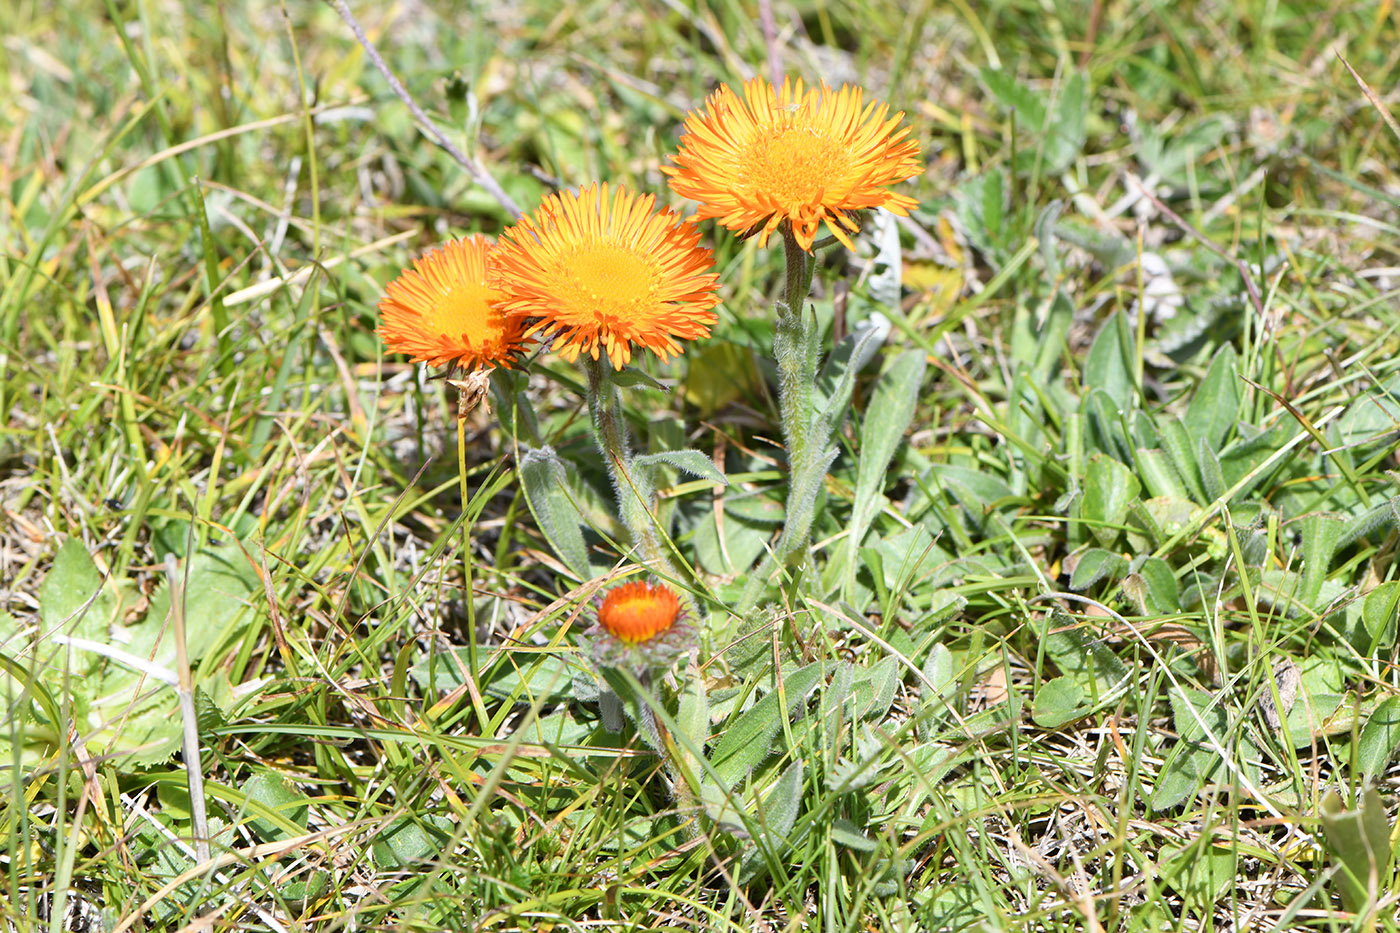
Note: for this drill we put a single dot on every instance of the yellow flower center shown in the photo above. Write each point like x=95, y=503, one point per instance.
x=463, y=310
x=612, y=285
x=638, y=612
x=793, y=165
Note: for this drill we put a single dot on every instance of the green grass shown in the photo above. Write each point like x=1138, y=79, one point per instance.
x=1036, y=695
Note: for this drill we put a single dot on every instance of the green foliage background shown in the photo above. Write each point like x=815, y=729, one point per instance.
x=1103, y=602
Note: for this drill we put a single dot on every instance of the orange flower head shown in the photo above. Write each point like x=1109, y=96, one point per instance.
x=795, y=158
x=600, y=273
x=638, y=612
x=443, y=310
x=641, y=627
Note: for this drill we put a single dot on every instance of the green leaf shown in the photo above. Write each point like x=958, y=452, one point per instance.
x=1064, y=128
x=1058, y=701
x=873, y=688
x=408, y=841
x=1358, y=839
x=1379, y=739
x=1154, y=588
x=218, y=581
x=1109, y=365
x=283, y=798
x=734, y=550
x=72, y=599
x=838, y=377
x=1158, y=474
x=845, y=833
x=1092, y=664
x=630, y=377
x=1215, y=407
x=1196, y=758
x=781, y=806
x=1094, y=565
x=1177, y=443
x=544, y=480
x=1379, y=616
x=1372, y=417
x=691, y=461
x=1320, y=535
x=693, y=720
x=1212, y=477
x=887, y=417
x=1104, y=424
x=746, y=738
x=1109, y=488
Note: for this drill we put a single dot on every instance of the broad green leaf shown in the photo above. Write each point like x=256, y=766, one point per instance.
x=845, y=833
x=1371, y=523
x=1092, y=664
x=407, y=842
x=1159, y=476
x=938, y=684
x=1203, y=731
x=1215, y=407
x=781, y=806
x=1109, y=488
x=630, y=378
x=1058, y=701
x=1154, y=588
x=1104, y=423
x=220, y=589
x=887, y=417
x=691, y=461
x=544, y=480
x=874, y=687
x=746, y=739
x=1094, y=565
x=1320, y=535
x=1177, y=443
x=732, y=550
x=851, y=355
x=72, y=600
x=693, y=720
x=1212, y=478
x=1379, y=615
x=1109, y=365
x=283, y=798
x=1064, y=128
x=834, y=713
x=1372, y=417
x=1358, y=839
x=1380, y=738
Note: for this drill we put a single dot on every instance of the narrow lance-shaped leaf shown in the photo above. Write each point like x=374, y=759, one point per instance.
x=543, y=478
x=887, y=417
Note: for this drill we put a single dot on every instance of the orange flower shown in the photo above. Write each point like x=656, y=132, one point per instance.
x=789, y=157
x=638, y=612
x=600, y=275
x=443, y=311
x=642, y=627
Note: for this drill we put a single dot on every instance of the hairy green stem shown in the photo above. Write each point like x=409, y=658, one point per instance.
x=795, y=350
x=634, y=491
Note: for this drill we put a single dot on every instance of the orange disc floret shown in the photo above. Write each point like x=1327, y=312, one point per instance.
x=443, y=310
x=785, y=156
x=638, y=612
x=600, y=272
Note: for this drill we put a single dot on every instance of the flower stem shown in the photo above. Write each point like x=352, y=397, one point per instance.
x=464, y=407
x=634, y=491
x=797, y=355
